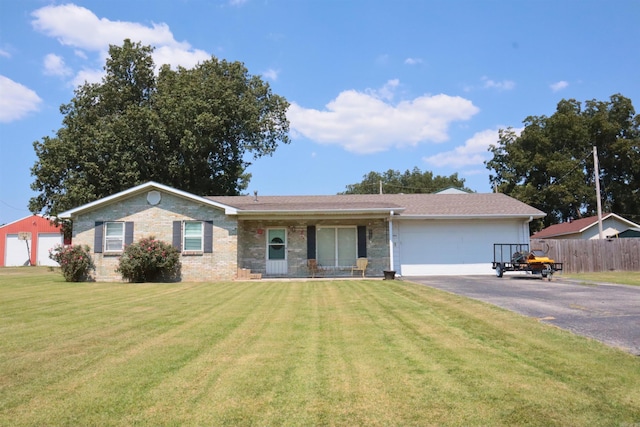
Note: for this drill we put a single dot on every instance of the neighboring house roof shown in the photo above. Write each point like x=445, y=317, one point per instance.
x=577, y=226
x=452, y=190
x=407, y=205
x=26, y=218
x=435, y=206
x=630, y=232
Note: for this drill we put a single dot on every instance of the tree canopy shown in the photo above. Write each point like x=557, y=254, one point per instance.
x=550, y=164
x=409, y=182
x=193, y=129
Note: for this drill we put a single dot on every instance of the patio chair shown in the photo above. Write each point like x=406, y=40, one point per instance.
x=314, y=268
x=361, y=265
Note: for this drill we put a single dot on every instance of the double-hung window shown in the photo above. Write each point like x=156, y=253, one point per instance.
x=114, y=236
x=193, y=236
x=337, y=246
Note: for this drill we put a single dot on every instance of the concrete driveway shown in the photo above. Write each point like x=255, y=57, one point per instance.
x=606, y=312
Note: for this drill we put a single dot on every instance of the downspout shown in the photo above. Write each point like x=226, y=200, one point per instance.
x=525, y=229
x=391, y=242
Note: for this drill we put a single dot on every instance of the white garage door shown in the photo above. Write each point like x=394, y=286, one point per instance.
x=16, y=253
x=46, y=242
x=438, y=247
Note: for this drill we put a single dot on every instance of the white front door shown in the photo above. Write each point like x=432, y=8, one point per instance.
x=277, y=251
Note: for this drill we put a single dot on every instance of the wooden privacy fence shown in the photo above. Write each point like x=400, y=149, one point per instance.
x=588, y=256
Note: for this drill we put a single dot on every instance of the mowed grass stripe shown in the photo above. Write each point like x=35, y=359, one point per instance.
x=297, y=353
x=87, y=344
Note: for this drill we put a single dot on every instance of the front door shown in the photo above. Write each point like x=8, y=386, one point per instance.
x=277, y=251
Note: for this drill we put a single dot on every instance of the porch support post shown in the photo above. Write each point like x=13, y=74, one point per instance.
x=391, y=241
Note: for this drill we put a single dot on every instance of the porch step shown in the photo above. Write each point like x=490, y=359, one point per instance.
x=246, y=274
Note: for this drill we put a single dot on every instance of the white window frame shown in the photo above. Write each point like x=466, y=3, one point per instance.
x=336, y=249
x=270, y=244
x=192, y=236
x=110, y=239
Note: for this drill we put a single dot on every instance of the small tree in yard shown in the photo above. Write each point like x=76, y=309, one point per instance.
x=150, y=260
x=75, y=262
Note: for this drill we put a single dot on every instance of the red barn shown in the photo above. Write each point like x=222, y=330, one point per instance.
x=27, y=241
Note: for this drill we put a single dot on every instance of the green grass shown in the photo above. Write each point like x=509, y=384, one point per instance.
x=364, y=352
x=621, y=277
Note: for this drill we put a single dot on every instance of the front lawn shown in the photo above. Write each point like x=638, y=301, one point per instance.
x=353, y=352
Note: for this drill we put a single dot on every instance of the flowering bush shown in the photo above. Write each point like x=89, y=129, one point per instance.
x=75, y=261
x=150, y=260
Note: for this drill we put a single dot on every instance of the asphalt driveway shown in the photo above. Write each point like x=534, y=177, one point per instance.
x=606, y=312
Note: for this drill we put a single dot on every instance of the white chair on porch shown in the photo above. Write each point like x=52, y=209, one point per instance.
x=361, y=265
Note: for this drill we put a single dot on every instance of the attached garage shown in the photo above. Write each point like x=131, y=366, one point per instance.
x=450, y=247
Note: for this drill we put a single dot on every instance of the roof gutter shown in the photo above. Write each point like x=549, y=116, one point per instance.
x=528, y=217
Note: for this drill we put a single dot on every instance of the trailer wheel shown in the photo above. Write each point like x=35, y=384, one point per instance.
x=547, y=272
x=499, y=270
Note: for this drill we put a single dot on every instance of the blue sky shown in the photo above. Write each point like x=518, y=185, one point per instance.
x=373, y=85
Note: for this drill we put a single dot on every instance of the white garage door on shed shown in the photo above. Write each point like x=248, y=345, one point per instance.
x=46, y=242
x=16, y=252
x=448, y=247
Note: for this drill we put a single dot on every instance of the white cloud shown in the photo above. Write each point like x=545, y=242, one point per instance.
x=555, y=87
x=54, y=66
x=383, y=59
x=270, y=74
x=5, y=53
x=177, y=56
x=503, y=85
x=413, y=61
x=473, y=153
x=87, y=76
x=16, y=101
x=386, y=92
x=365, y=123
x=81, y=29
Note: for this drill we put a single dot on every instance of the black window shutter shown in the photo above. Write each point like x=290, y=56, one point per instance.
x=177, y=235
x=208, y=237
x=362, y=241
x=128, y=233
x=311, y=242
x=97, y=237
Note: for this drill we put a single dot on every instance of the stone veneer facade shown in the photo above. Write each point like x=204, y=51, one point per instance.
x=157, y=221
x=253, y=235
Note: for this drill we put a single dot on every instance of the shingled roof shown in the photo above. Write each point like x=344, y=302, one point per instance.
x=407, y=205
x=575, y=226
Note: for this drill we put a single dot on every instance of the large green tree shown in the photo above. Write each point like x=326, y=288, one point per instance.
x=194, y=129
x=550, y=164
x=414, y=181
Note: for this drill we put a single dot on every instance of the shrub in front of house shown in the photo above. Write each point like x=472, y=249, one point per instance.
x=75, y=262
x=150, y=260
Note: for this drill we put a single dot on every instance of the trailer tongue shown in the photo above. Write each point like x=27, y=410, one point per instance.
x=518, y=257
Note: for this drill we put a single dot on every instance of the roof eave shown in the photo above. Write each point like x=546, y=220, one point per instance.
x=288, y=213
x=147, y=186
x=475, y=216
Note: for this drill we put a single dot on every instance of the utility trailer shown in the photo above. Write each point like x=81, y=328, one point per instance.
x=518, y=257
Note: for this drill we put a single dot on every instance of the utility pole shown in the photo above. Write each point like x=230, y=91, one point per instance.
x=599, y=203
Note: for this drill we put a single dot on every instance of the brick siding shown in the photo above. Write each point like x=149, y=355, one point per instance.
x=157, y=221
